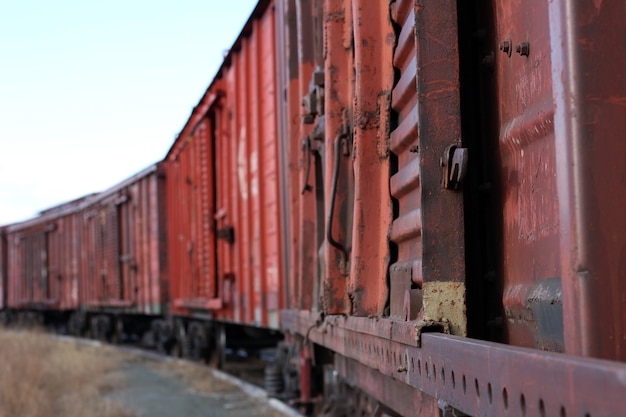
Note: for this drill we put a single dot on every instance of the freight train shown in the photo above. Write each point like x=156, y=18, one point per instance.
x=420, y=202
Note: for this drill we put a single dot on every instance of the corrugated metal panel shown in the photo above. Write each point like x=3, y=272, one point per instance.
x=427, y=279
x=406, y=271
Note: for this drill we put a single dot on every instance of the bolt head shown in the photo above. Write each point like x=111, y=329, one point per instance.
x=523, y=49
x=506, y=47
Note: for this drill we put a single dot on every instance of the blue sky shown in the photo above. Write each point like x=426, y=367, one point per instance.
x=93, y=91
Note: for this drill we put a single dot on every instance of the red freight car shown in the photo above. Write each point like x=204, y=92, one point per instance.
x=223, y=198
x=453, y=171
x=123, y=256
x=445, y=181
x=3, y=275
x=43, y=265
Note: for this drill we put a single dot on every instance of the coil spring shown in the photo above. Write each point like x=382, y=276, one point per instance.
x=273, y=380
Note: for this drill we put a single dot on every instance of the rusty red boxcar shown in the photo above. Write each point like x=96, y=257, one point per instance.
x=123, y=255
x=3, y=274
x=424, y=196
x=223, y=196
x=449, y=168
x=43, y=265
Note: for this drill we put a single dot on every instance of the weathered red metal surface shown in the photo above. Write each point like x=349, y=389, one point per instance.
x=405, y=274
x=123, y=246
x=253, y=202
x=301, y=46
x=43, y=260
x=190, y=197
x=337, y=156
x=326, y=150
x=530, y=232
x=223, y=189
x=479, y=378
x=308, y=160
x=3, y=269
x=372, y=95
x=439, y=131
x=406, y=400
x=286, y=65
x=589, y=77
x=341, y=262
x=556, y=238
x=427, y=276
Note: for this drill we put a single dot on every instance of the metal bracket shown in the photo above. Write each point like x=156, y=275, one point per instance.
x=454, y=164
x=313, y=101
x=227, y=233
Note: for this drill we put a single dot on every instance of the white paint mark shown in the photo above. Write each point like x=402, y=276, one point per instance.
x=254, y=169
x=74, y=292
x=241, y=164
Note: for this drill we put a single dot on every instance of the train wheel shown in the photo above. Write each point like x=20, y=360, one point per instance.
x=197, y=341
x=77, y=323
x=117, y=335
x=217, y=348
x=180, y=339
x=176, y=350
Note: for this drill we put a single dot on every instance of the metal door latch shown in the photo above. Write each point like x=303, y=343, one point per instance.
x=454, y=164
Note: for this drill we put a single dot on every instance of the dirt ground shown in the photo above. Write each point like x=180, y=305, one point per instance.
x=44, y=375
x=40, y=376
x=162, y=388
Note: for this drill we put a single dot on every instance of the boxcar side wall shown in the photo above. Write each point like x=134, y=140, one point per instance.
x=300, y=50
x=422, y=198
x=43, y=264
x=249, y=251
x=223, y=198
x=502, y=105
x=3, y=269
x=589, y=88
x=121, y=247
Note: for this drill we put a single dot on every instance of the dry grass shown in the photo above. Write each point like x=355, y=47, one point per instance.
x=41, y=376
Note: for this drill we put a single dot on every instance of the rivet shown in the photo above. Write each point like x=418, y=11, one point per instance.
x=523, y=49
x=505, y=46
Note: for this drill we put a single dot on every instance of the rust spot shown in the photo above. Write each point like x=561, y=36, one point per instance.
x=445, y=301
x=335, y=17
